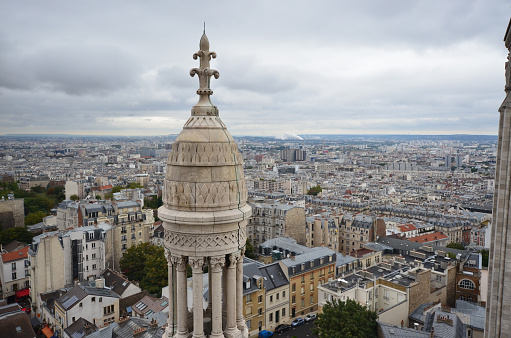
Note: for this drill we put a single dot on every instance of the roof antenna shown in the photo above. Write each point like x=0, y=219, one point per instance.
x=204, y=27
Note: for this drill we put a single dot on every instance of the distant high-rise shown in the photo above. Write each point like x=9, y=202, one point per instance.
x=498, y=306
x=204, y=216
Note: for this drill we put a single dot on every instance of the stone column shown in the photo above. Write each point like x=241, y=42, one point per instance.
x=231, y=330
x=172, y=320
x=182, y=310
x=240, y=320
x=198, y=317
x=215, y=288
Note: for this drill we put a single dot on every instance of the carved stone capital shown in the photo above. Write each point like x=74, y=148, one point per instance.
x=197, y=263
x=216, y=263
x=233, y=259
x=179, y=262
x=168, y=256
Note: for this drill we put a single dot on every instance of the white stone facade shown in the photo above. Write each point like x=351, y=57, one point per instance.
x=204, y=218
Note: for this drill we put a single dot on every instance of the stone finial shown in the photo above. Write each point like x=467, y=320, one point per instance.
x=204, y=107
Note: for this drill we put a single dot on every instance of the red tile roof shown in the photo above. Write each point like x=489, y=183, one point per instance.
x=435, y=236
x=407, y=227
x=15, y=255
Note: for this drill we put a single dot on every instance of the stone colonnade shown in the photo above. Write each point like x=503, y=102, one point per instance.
x=226, y=270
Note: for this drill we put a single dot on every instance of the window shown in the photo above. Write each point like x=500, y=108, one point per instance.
x=260, y=299
x=248, y=298
x=312, y=287
x=93, y=299
x=283, y=312
x=271, y=317
x=93, y=266
x=293, y=288
x=283, y=294
x=14, y=275
x=260, y=311
x=86, y=257
x=107, y=309
x=312, y=264
x=100, y=299
x=74, y=320
x=248, y=310
x=93, y=256
x=467, y=284
x=312, y=299
x=385, y=294
x=293, y=300
x=303, y=290
x=271, y=299
x=27, y=273
x=81, y=304
x=312, y=275
x=13, y=266
x=93, y=245
x=303, y=302
x=90, y=235
x=277, y=296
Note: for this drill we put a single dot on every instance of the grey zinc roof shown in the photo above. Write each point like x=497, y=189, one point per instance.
x=477, y=313
x=127, y=204
x=393, y=331
x=313, y=254
x=344, y=259
x=286, y=243
x=274, y=275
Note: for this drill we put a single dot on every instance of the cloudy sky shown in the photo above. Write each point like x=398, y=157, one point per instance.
x=303, y=67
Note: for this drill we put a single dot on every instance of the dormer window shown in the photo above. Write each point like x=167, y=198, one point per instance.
x=247, y=284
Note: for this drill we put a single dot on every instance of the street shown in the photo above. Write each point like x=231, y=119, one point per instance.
x=298, y=332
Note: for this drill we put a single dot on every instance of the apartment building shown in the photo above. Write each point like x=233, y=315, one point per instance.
x=94, y=303
x=305, y=273
x=15, y=271
x=323, y=230
x=357, y=230
x=270, y=220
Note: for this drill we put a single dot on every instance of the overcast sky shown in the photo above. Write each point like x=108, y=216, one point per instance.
x=303, y=67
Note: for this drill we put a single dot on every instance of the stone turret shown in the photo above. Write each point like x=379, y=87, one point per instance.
x=204, y=215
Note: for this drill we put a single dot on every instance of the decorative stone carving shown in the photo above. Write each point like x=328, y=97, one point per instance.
x=196, y=262
x=179, y=261
x=204, y=154
x=208, y=195
x=209, y=122
x=216, y=263
x=168, y=256
x=173, y=239
x=233, y=259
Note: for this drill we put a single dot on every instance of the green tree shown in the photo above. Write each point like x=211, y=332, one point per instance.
x=314, y=190
x=74, y=197
x=134, y=185
x=153, y=203
x=34, y=217
x=117, y=188
x=155, y=272
x=16, y=234
x=345, y=319
x=457, y=246
x=145, y=263
x=250, y=250
x=486, y=256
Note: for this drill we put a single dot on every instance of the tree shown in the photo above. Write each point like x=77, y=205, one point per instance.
x=116, y=189
x=314, y=190
x=486, y=255
x=155, y=272
x=345, y=319
x=74, y=197
x=16, y=234
x=457, y=246
x=134, y=185
x=34, y=217
x=146, y=263
x=250, y=250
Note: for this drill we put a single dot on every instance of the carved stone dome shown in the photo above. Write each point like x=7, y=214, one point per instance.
x=204, y=192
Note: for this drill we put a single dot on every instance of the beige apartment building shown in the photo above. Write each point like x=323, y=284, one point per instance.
x=270, y=220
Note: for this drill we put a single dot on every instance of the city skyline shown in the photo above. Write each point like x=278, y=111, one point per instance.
x=393, y=68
